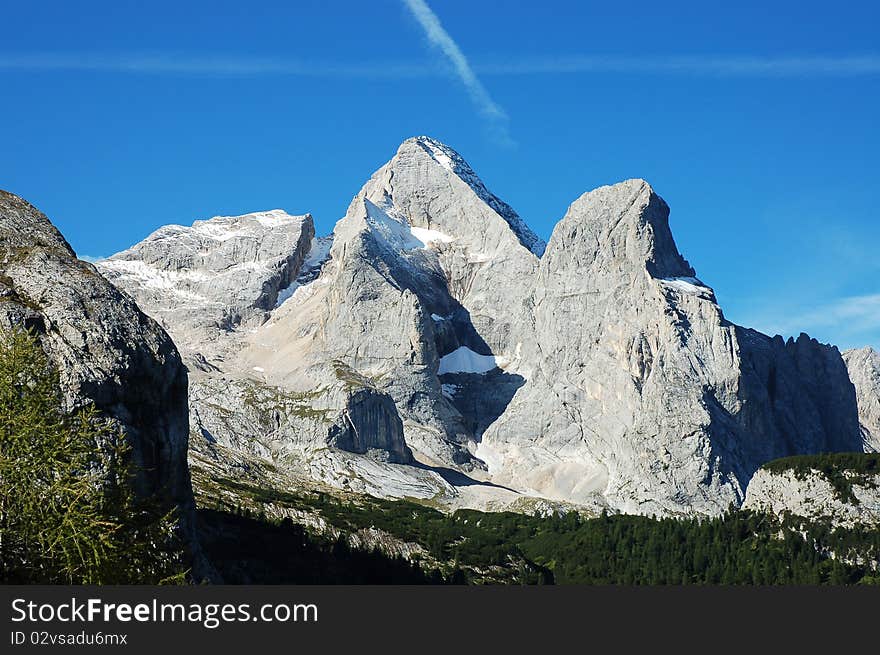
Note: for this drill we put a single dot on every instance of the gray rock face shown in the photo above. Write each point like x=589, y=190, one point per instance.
x=453, y=162
x=202, y=281
x=638, y=388
x=276, y=423
x=107, y=351
x=864, y=371
x=371, y=425
x=813, y=497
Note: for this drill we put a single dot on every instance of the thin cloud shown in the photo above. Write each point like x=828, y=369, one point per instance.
x=440, y=38
x=90, y=259
x=857, y=313
x=855, y=320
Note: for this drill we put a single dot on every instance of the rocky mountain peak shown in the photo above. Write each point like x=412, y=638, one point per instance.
x=24, y=226
x=867, y=355
x=602, y=372
x=427, y=166
x=210, y=244
x=639, y=389
x=626, y=223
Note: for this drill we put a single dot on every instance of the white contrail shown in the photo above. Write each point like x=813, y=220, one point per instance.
x=726, y=66
x=440, y=38
x=207, y=65
x=225, y=66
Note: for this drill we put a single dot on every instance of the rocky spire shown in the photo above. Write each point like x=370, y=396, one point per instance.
x=455, y=163
x=626, y=223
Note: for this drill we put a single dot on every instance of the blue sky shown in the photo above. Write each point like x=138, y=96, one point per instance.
x=757, y=124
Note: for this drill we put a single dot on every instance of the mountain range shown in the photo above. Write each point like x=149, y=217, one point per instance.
x=434, y=347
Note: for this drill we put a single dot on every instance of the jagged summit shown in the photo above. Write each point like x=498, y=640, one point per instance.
x=269, y=218
x=25, y=226
x=455, y=163
x=637, y=387
x=219, y=228
x=414, y=269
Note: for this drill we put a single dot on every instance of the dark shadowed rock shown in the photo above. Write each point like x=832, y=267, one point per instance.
x=107, y=351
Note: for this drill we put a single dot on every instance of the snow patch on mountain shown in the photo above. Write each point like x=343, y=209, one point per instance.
x=465, y=360
x=441, y=153
x=449, y=390
x=318, y=255
x=427, y=237
x=150, y=277
x=206, y=281
x=224, y=228
x=396, y=233
x=689, y=285
x=272, y=218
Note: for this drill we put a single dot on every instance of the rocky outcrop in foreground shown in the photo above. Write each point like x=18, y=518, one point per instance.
x=107, y=351
x=840, y=497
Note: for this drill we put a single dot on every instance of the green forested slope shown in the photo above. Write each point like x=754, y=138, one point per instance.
x=738, y=548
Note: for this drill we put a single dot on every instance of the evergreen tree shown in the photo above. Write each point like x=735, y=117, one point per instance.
x=67, y=512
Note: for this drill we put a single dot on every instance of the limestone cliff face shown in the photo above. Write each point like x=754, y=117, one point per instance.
x=255, y=418
x=638, y=388
x=864, y=371
x=482, y=246
x=107, y=351
x=370, y=425
x=812, y=496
